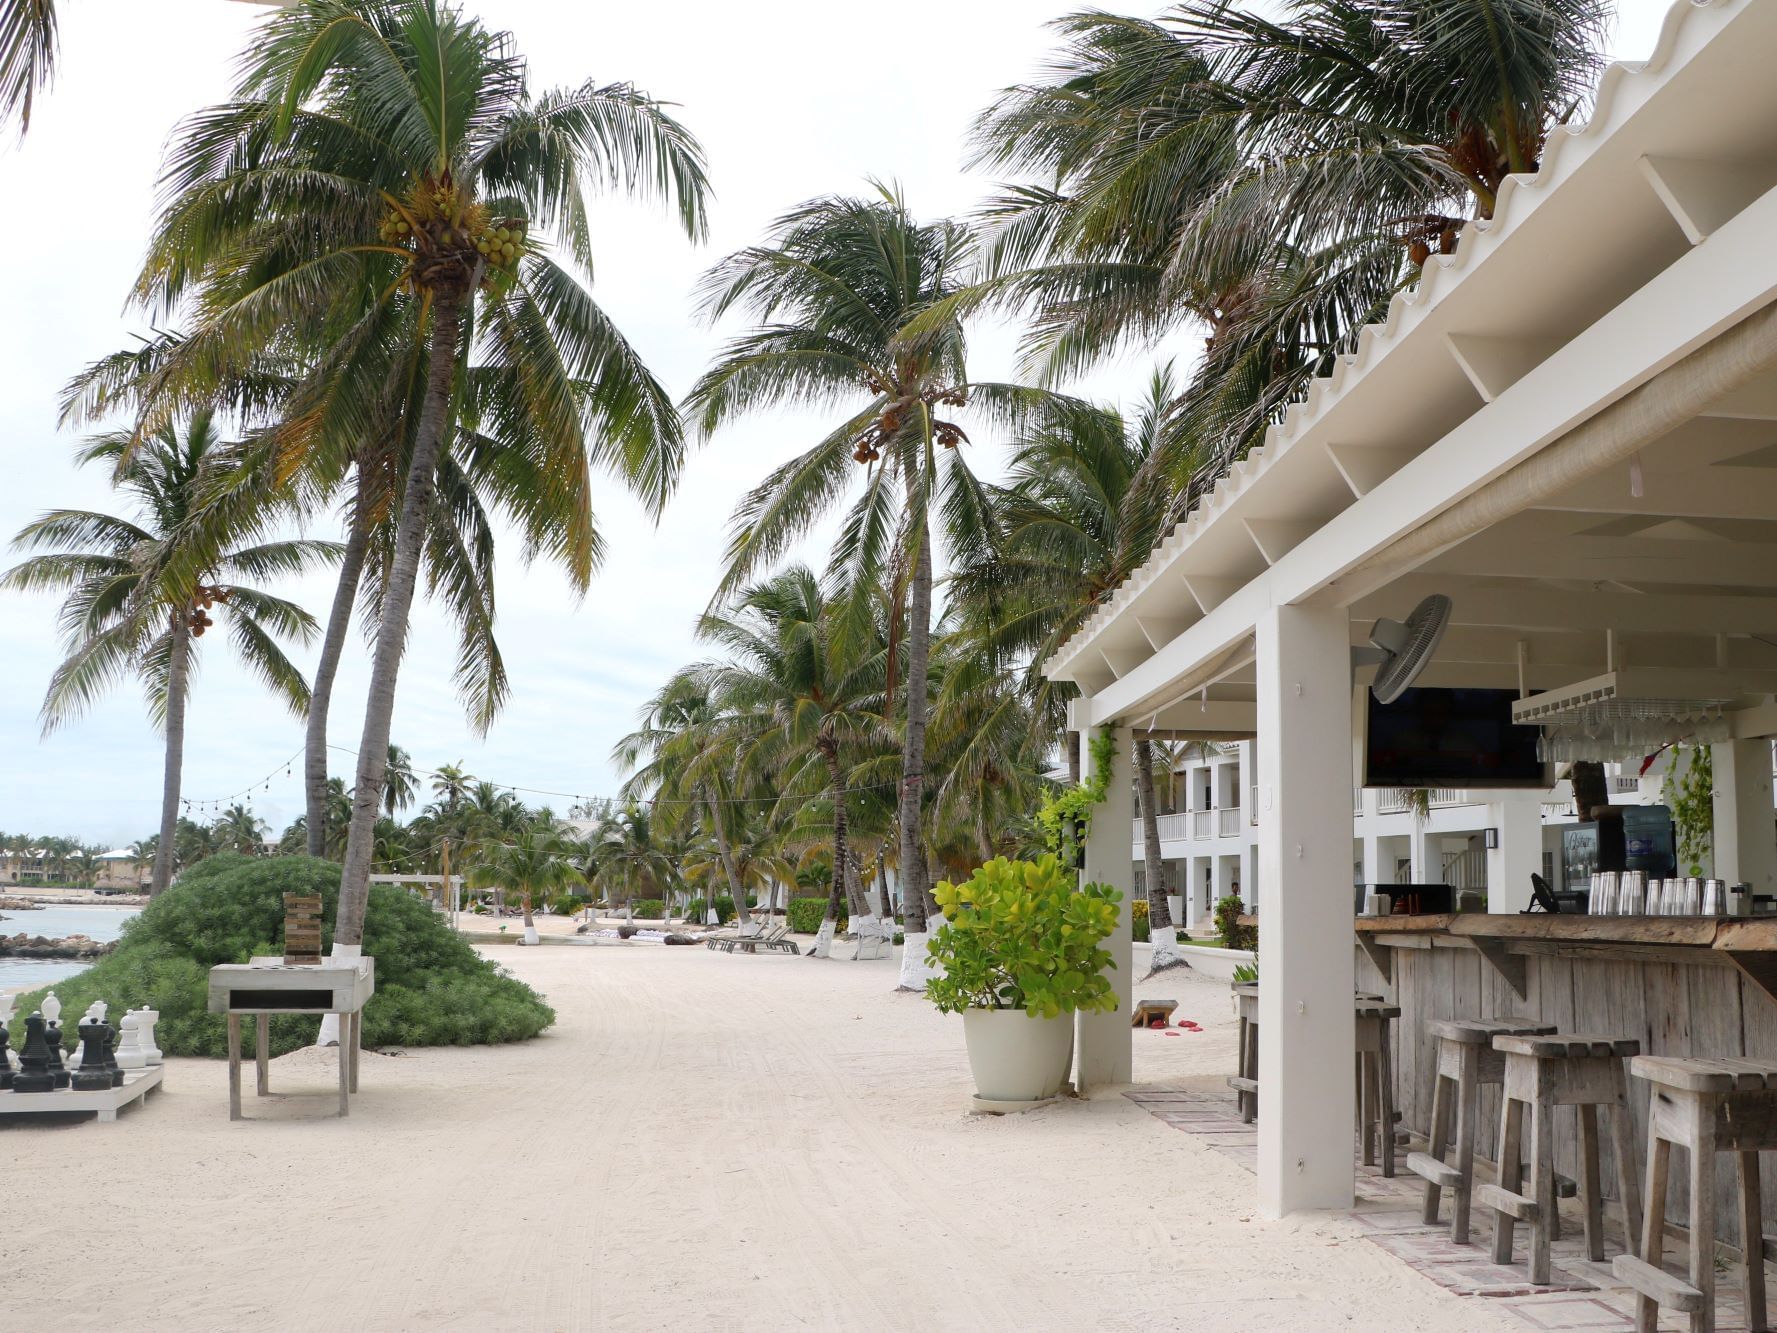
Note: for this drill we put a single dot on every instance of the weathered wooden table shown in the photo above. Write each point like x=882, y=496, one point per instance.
x=266, y=986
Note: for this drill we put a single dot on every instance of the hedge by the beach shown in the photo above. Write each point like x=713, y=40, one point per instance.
x=432, y=988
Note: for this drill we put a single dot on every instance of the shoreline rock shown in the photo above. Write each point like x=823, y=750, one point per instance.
x=22, y=945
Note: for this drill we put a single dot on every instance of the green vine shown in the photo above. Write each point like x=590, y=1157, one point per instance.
x=1065, y=814
x=1690, y=794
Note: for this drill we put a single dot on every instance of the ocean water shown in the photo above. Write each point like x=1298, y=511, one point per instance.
x=99, y=923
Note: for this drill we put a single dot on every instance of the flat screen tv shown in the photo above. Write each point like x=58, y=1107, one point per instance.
x=1450, y=738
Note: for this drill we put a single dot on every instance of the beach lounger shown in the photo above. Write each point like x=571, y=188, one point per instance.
x=772, y=939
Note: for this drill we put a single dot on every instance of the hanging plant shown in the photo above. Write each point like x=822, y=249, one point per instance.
x=1690, y=794
x=1065, y=814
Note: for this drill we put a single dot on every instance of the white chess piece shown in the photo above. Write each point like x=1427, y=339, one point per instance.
x=51, y=1007
x=97, y=1010
x=146, y=1018
x=11, y=1057
x=129, y=1047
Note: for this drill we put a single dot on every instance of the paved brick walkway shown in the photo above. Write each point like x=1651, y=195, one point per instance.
x=1581, y=1294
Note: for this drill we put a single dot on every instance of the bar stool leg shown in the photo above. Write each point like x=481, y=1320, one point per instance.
x=1703, y=1213
x=1439, y=1141
x=1653, y=1229
x=1240, y=1062
x=1510, y=1159
x=1542, y=1178
x=1590, y=1185
x=1752, y=1238
x=1385, y=1103
x=1622, y=1131
x=1366, y=1116
x=1468, y=1104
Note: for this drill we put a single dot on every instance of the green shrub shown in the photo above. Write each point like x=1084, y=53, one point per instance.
x=432, y=989
x=1018, y=935
x=568, y=904
x=1138, y=920
x=651, y=908
x=1234, y=935
x=806, y=915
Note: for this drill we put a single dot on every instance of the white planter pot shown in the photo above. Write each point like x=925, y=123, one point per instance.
x=1017, y=1058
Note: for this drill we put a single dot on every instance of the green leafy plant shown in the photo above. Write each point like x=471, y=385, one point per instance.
x=1245, y=972
x=806, y=915
x=1138, y=920
x=1065, y=814
x=1018, y=935
x=432, y=988
x=1232, y=934
x=650, y=909
x=568, y=904
x=1690, y=794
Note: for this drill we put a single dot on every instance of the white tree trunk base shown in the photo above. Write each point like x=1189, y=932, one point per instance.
x=823, y=940
x=530, y=935
x=329, y=1035
x=1166, y=953
x=916, y=967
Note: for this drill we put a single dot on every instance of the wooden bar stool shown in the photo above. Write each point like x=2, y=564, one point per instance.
x=1375, y=1080
x=1705, y=1107
x=1466, y=1061
x=1541, y=1073
x=1245, y=1080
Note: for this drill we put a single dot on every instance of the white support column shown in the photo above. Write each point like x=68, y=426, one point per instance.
x=1306, y=970
x=1519, y=855
x=1221, y=880
x=1745, y=836
x=1103, y=1046
x=1422, y=851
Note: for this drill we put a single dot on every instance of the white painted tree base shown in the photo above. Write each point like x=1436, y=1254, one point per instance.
x=823, y=940
x=1166, y=954
x=329, y=1034
x=916, y=967
x=531, y=936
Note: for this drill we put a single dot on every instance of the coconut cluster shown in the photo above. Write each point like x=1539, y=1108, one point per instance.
x=894, y=415
x=446, y=231
x=205, y=597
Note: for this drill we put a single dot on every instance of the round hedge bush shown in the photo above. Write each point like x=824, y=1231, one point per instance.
x=432, y=988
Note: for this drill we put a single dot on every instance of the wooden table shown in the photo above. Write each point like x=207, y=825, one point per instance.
x=266, y=986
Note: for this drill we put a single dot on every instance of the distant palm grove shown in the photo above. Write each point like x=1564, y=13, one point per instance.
x=379, y=350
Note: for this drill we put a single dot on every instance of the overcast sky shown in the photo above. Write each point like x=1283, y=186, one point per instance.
x=791, y=99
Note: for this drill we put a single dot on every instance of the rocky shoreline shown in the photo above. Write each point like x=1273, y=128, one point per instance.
x=23, y=945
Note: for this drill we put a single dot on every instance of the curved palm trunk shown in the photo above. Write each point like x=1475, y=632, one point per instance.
x=339, y=620
x=1161, y=932
x=913, y=760
x=735, y=888
x=379, y=709
x=823, y=944
x=1072, y=746
x=178, y=675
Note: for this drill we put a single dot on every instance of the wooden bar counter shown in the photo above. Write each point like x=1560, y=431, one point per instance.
x=1688, y=986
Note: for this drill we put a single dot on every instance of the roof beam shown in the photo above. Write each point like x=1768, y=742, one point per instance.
x=1364, y=467
x=1532, y=606
x=1494, y=365
x=1162, y=630
x=1277, y=537
x=1209, y=591
x=1701, y=195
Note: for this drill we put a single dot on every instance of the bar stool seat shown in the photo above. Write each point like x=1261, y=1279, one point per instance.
x=1542, y=1072
x=1705, y=1106
x=1466, y=1061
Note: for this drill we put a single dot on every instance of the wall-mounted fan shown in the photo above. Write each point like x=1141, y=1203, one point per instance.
x=1400, y=651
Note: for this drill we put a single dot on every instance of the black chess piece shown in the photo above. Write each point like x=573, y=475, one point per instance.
x=33, y=1074
x=108, y=1058
x=92, y=1076
x=52, y=1038
x=5, y=1059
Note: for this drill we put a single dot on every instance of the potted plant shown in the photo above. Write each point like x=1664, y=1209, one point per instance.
x=1020, y=954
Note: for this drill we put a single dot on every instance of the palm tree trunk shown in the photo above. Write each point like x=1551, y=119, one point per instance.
x=178, y=676
x=391, y=639
x=913, y=759
x=339, y=620
x=1071, y=744
x=735, y=887
x=1161, y=932
x=823, y=945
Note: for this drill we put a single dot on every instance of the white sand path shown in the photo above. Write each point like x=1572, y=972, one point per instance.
x=703, y=1142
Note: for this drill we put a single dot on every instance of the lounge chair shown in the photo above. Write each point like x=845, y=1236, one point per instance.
x=771, y=939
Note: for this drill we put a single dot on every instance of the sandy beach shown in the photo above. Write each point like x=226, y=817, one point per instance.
x=703, y=1141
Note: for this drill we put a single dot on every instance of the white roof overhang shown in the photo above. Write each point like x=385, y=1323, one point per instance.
x=1645, y=236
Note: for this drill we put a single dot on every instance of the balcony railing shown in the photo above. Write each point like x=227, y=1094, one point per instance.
x=1227, y=823
x=1200, y=823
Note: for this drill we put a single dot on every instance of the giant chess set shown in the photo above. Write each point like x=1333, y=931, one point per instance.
x=113, y=1065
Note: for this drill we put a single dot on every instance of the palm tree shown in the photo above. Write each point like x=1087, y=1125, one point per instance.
x=451, y=783
x=688, y=745
x=399, y=783
x=140, y=594
x=442, y=169
x=802, y=691
x=239, y=830
x=838, y=293
x=535, y=862
x=27, y=55
x=1273, y=179
x=1080, y=511
x=86, y=866
x=623, y=854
